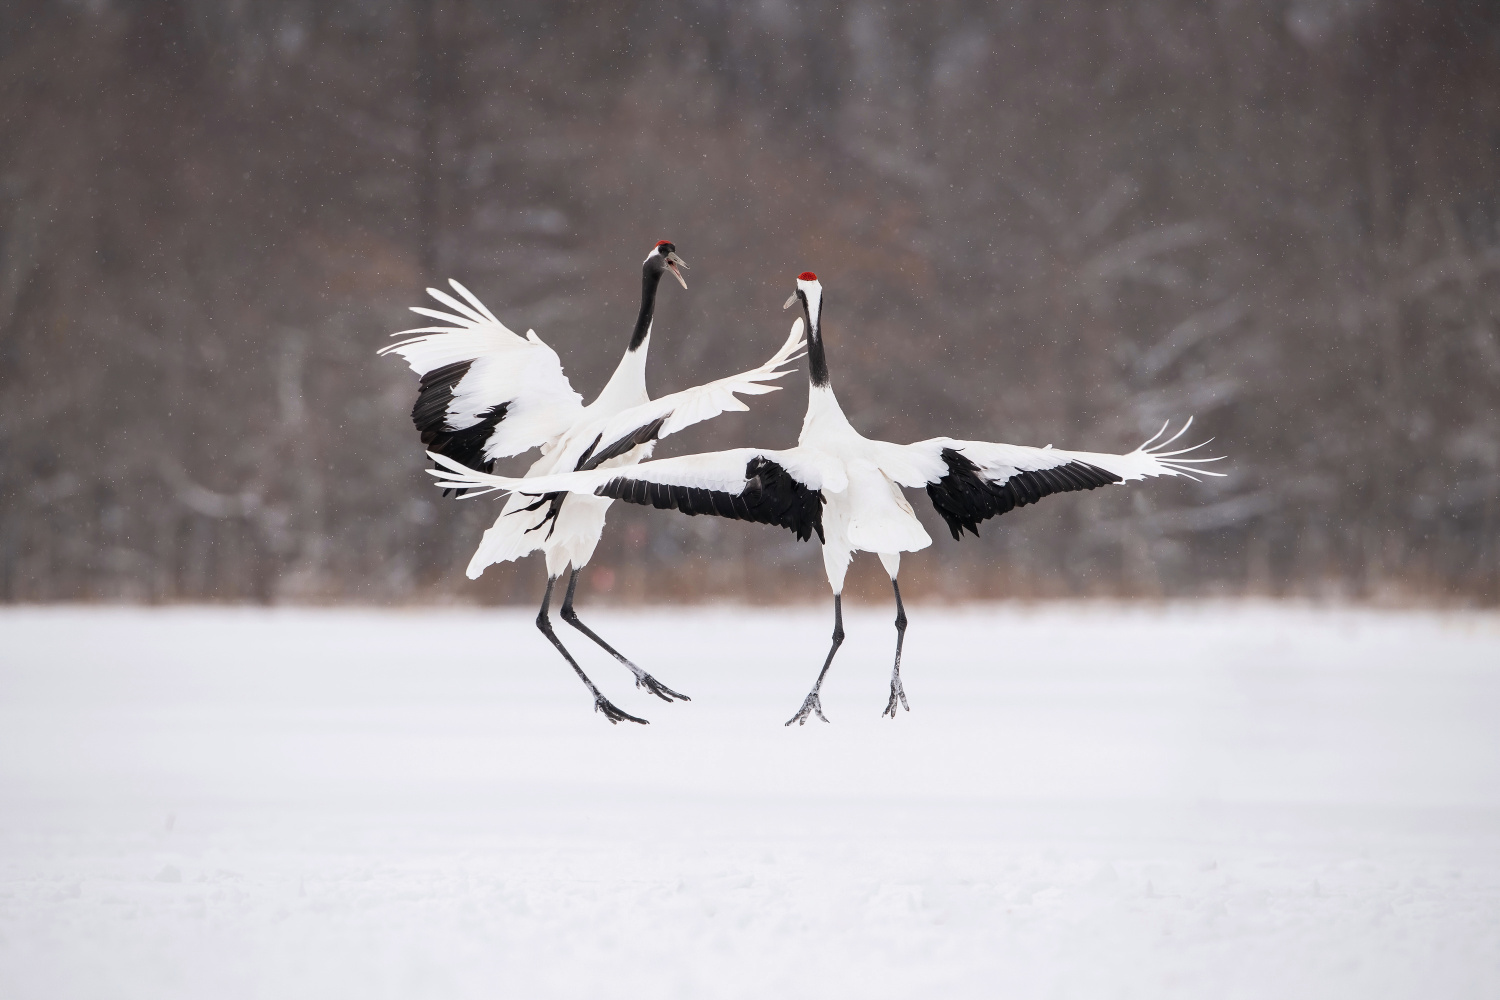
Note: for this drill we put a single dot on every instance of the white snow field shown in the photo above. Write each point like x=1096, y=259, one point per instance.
x=1085, y=801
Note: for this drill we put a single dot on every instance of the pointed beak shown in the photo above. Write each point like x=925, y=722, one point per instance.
x=674, y=262
x=791, y=299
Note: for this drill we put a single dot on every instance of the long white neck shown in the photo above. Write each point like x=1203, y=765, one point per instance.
x=627, y=386
x=825, y=419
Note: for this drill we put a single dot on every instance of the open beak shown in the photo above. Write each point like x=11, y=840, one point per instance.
x=674, y=262
x=790, y=299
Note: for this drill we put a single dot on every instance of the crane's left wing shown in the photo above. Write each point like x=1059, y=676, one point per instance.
x=783, y=488
x=620, y=433
x=972, y=481
x=486, y=393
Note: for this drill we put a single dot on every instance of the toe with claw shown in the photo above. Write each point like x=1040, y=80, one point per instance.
x=897, y=691
x=613, y=714
x=810, y=705
x=656, y=687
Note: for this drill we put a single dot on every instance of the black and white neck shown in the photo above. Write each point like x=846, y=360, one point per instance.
x=663, y=257
x=810, y=294
x=627, y=386
x=825, y=421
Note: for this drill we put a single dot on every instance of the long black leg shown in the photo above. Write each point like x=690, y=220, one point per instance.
x=601, y=703
x=896, y=690
x=642, y=679
x=812, y=703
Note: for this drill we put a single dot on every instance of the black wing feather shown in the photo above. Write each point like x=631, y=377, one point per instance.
x=465, y=445
x=591, y=460
x=641, y=435
x=964, y=497
x=771, y=496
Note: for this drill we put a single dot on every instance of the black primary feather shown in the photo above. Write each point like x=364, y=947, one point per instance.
x=964, y=497
x=465, y=445
x=644, y=434
x=771, y=496
x=588, y=461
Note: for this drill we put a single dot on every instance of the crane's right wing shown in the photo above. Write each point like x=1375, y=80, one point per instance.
x=972, y=481
x=485, y=393
x=620, y=433
x=783, y=488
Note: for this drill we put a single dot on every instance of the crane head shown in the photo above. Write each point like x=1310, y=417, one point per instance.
x=807, y=283
x=663, y=256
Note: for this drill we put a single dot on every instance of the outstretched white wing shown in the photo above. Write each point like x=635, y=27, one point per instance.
x=599, y=441
x=485, y=393
x=972, y=481
x=746, y=484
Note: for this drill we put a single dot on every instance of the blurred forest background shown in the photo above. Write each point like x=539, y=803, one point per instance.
x=1038, y=221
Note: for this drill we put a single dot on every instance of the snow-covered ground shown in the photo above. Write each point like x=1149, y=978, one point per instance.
x=1084, y=801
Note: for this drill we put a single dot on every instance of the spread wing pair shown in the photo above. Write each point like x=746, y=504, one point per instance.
x=968, y=482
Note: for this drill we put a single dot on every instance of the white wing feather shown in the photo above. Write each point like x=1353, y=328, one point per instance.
x=921, y=463
x=723, y=471
x=715, y=470
x=691, y=406
x=679, y=410
x=523, y=373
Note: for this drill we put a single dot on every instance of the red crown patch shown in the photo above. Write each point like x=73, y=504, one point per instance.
x=807, y=276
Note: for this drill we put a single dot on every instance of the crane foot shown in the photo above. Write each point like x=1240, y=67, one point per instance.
x=810, y=705
x=897, y=691
x=613, y=714
x=656, y=687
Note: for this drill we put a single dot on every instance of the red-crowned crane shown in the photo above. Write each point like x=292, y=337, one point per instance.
x=487, y=394
x=846, y=488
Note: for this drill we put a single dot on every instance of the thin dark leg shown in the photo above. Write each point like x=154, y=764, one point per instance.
x=812, y=703
x=642, y=679
x=601, y=703
x=896, y=690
